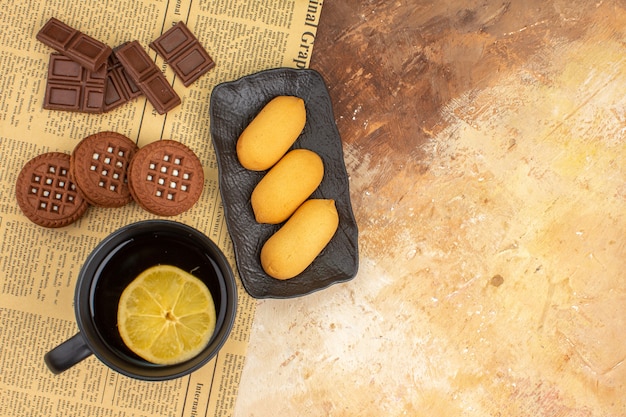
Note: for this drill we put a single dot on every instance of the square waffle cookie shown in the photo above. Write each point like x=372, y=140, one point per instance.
x=99, y=165
x=46, y=194
x=165, y=178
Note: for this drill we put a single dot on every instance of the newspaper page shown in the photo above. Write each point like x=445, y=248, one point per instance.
x=40, y=265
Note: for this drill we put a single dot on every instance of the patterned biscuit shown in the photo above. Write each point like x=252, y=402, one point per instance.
x=46, y=194
x=99, y=166
x=165, y=177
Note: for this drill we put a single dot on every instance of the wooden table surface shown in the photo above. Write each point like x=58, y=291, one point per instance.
x=485, y=143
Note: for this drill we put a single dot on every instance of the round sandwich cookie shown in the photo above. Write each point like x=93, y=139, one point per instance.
x=99, y=167
x=165, y=177
x=46, y=194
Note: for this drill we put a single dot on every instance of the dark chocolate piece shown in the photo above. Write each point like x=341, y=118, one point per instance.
x=87, y=51
x=72, y=87
x=182, y=51
x=144, y=72
x=120, y=87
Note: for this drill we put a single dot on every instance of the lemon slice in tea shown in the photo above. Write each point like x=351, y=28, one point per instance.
x=166, y=315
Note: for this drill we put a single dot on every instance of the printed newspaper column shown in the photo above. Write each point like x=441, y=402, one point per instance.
x=300, y=47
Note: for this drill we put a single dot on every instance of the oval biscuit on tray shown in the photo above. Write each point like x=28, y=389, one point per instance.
x=99, y=165
x=166, y=177
x=46, y=194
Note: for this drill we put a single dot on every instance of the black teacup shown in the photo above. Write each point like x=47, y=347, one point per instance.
x=112, y=265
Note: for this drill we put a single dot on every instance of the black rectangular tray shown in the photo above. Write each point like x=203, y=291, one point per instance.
x=233, y=106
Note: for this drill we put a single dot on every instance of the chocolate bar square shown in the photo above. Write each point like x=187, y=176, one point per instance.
x=87, y=51
x=183, y=52
x=73, y=88
x=147, y=76
x=120, y=87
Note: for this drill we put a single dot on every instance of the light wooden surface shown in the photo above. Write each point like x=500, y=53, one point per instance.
x=485, y=143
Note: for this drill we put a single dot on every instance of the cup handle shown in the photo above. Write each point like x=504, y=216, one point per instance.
x=67, y=354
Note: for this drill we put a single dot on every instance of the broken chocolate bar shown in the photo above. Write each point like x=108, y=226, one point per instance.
x=144, y=72
x=182, y=51
x=87, y=51
x=71, y=87
x=120, y=87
